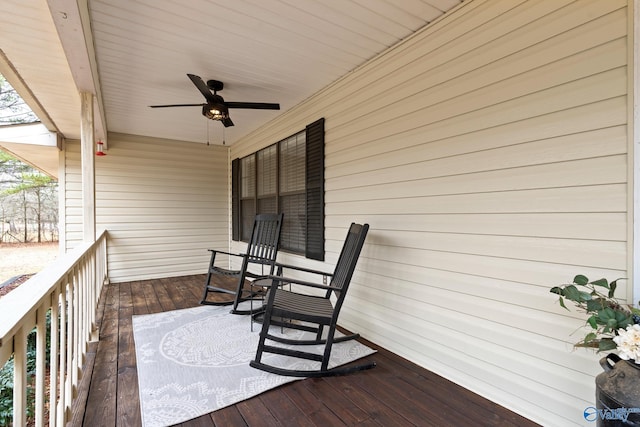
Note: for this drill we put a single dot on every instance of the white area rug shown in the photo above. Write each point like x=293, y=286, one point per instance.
x=195, y=361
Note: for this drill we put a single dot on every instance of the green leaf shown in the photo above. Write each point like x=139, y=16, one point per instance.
x=623, y=319
x=606, y=344
x=562, y=303
x=580, y=280
x=595, y=305
x=612, y=288
x=590, y=337
x=572, y=293
x=606, y=314
x=612, y=325
x=592, y=322
x=556, y=290
x=607, y=317
x=585, y=296
x=601, y=282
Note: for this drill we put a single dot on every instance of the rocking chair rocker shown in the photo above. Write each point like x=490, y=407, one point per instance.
x=261, y=250
x=310, y=312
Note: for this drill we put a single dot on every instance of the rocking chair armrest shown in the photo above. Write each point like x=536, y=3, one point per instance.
x=227, y=253
x=303, y=269
x=289, y=280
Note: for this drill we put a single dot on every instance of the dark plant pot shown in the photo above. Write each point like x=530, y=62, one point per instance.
x=617, y=394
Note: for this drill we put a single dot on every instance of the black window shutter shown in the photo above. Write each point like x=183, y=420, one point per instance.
x=235, y=199
x=315, y=190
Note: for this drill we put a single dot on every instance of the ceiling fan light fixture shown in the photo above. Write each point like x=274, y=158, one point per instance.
x=215, y=112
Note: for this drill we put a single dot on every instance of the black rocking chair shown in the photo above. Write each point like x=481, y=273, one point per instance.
x=261, y=250
x=310, y=313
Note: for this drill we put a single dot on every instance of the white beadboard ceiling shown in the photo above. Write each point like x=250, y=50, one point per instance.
x=141, y=50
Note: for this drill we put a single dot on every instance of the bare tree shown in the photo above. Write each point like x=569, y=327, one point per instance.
x=32, y=190
x=13, y=109
x=28, y=197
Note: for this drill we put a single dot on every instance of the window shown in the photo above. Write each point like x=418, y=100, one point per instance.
x=284, y=177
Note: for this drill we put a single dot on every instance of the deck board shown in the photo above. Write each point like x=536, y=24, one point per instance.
x=397, y=392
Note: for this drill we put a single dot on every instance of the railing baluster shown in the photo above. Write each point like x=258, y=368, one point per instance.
x=68, y=396
x=41, y=344
x=83, y=315
x=94, y=278
x=20, y=378
x=63, y=352
x=75, y=344
x=53, y=358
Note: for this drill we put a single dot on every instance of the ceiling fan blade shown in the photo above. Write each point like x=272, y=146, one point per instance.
x=227, y=122
x=253, y=105
x=176, y=105
x=202, y=87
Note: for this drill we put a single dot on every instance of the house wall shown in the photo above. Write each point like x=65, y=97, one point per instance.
x=489, y=154
x=163, y=202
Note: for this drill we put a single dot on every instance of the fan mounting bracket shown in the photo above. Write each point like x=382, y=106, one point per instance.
x=215, y=85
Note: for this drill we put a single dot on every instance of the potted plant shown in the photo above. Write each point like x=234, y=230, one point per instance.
x=613, y=327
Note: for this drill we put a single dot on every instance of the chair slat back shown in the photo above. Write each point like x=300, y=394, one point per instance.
x=265, y=238
x=348, y=259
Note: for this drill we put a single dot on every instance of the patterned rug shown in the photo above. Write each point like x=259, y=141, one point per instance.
x=195, y=361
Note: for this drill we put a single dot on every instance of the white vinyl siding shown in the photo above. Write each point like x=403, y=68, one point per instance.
x=163, y=202
x=488, y=153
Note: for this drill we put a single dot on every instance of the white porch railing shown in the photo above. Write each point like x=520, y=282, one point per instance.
x=69, y=289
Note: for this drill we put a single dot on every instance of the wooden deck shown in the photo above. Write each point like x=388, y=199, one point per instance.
x=395, y=393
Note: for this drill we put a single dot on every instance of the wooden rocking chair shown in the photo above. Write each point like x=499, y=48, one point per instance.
x=261, y=251
x=310, y=313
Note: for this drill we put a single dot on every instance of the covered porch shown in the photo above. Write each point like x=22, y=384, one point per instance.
x=397, y=392
x=491, y=145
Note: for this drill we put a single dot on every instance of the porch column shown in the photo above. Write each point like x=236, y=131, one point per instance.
x=88, y=157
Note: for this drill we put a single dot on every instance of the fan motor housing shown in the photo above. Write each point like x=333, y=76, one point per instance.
x=215, y=85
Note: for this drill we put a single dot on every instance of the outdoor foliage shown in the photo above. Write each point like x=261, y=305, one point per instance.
x=608, y=318
x=28, y=203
